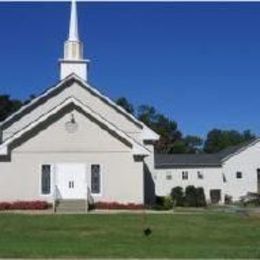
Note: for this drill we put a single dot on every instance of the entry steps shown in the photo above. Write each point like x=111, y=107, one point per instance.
x=71, y=206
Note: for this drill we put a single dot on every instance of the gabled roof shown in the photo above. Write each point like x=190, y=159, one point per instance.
x=137, y=148
x=164, y=161
x=148, y=133
x=228, y=152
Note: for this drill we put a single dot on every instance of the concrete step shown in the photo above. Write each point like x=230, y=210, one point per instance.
x=71, y=206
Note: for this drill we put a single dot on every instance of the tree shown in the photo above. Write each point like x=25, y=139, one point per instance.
x=31, y=97
x=165, y=127
x=124, y=103
x=218, y=140
x=148, y=115
x=193, y=143
x=8, y=106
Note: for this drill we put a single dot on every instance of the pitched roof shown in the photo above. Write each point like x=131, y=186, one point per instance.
x=149, y=133
x=137, y=148
x=232, y=150
x=164, y=161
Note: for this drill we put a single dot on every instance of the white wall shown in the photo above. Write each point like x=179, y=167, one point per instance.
x=122, y=176
x=212, y=179
x=247, y=162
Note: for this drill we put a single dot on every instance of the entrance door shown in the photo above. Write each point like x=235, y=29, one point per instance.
x=258, y=180
x=71, y=181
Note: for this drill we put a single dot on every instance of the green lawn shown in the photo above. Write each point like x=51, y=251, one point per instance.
x=192, y=235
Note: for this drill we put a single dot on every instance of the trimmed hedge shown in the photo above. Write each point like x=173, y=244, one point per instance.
x=25, y=205
x=192, y=197
x=178, y=196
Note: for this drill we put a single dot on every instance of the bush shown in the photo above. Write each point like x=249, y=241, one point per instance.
x=5, y=205
x=190, y=196
x=167, y=203
x=24, y=205
x=193, y=197
x=200, y=196
x=117, y=205
x=163, y=203
x=177, y=196
x=228, y=199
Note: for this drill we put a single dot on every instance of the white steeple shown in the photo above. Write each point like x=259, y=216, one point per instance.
x=73, y=61
x=73, y=33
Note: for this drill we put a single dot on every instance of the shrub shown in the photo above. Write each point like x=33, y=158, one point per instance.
x=177, y=196
x=24, y=205
x=117, y=205
x=228, y=199
x=167, y=203
x=5, y=205
x=191, y=196
x=200, y=197
x=163, y=203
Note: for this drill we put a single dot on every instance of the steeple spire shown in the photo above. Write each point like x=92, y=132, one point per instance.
x=73, y=61
x=73, y=33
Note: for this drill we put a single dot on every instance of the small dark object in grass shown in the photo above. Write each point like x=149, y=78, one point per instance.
x=147, y=232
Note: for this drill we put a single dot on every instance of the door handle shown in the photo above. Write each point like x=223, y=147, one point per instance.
x=71, y=184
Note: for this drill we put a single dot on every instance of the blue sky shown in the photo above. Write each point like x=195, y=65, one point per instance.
x=198, y=63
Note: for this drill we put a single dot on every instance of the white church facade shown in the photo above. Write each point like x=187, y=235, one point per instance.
x=73, y=143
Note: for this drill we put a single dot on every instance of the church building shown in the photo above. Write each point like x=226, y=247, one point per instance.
x=72, y=144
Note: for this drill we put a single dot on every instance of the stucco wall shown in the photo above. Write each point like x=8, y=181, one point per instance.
x=212, y=179
x=122, y=176
x=247, y=162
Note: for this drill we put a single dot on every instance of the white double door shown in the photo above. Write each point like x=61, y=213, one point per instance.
x=70, y=180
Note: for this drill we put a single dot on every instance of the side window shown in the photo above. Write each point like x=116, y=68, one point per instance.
x=239, y=175
x=95, y=179
x=168, y=176
x=224, y=177
x=46, y=179
x=185, y=175
x=200, y=175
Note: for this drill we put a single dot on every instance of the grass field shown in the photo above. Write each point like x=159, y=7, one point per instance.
x=120, y=235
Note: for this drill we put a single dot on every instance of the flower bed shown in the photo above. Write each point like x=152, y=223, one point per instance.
x=25, y=205
x=117, y=205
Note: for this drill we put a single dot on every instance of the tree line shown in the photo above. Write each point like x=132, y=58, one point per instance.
x=172, y=140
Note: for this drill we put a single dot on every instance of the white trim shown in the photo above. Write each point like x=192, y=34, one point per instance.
x=100, y=194
x=32, y=102
x=148, y=134
x=137, y=148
